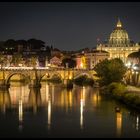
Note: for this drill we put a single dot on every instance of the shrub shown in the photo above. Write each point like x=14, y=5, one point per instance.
x=116, y=89
x=137, y=101
x=132, y=99
x=84, y=80
x=55, y=80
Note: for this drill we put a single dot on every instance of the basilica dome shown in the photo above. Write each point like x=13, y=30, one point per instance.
x=119, y=37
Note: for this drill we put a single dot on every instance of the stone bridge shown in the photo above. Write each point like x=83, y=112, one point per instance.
x=35, y=76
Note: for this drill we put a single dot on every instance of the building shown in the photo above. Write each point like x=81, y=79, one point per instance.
x=119, y=45
x=56, y=52
x=88, y=60
x=80, y=61
x=98, y=56
x=55, y=61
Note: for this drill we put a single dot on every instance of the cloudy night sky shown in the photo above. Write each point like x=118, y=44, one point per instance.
x=67, y=25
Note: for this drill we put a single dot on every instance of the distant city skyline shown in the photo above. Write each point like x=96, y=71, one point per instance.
x=68, y=25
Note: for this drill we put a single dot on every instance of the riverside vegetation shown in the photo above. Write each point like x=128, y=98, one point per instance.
x=119, y=92
x=111, y=73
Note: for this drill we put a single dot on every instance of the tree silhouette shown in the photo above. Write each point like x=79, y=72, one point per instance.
x=68, y=62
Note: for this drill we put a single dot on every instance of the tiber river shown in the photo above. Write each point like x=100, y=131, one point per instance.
x=56, y=112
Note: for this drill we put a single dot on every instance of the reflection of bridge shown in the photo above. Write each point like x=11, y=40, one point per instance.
x=34, y=76
x=22, y=99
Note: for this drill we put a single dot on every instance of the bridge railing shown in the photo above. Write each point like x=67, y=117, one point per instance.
x=17, y=68
x=40, y=68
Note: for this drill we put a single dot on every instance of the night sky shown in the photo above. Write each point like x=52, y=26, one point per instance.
x=67, y=25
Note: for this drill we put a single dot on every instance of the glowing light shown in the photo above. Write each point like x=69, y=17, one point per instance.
x=132, y=72
x=70, y=77
x=119, y=24
x=134, y=67
x=81, y=65
x=128, y=64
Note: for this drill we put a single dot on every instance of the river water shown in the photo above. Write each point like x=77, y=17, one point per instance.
x=56, y=112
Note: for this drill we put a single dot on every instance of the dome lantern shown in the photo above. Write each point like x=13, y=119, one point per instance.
x=119, y=24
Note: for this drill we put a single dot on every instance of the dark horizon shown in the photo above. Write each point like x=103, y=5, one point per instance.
x=68, y=25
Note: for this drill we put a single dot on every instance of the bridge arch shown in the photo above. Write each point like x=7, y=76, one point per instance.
x=50, y=75
x=16, y=73
x=83, y=74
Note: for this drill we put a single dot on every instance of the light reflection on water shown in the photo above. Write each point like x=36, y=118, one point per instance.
x=56, y=112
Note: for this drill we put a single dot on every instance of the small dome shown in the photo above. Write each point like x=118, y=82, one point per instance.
x=119, y=37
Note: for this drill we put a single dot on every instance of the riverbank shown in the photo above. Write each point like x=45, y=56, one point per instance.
x=128, y=95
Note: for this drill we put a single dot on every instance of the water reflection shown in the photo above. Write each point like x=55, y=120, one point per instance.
x=134, y=118
x=49, y=113
x=137, y=123
x=35, y=99
x=20, y=114
x=96, y=98
x=119, y=123
x=5, y=100
x=81, y=113
x=48, y=100
x=68, y=111
x=82, y=104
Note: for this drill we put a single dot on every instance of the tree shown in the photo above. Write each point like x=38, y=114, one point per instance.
x=2, y=48
x=70, y=62
x=10, y=45
x=35, y=44
x=33, y=61
x=83, y=80
x=1, y=60
x=22, y=43
x=110, y=71
x=17, y=58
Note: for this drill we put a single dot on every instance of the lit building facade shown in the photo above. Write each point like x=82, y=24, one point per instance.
x=80, y=61
x=98, y=56
x=55, y=61
x=90, y=59
x=119, y=45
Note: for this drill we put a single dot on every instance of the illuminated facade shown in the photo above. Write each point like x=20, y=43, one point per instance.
x=90, y=59
x=55, y=61
x=80, y=62
x=119, y=45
